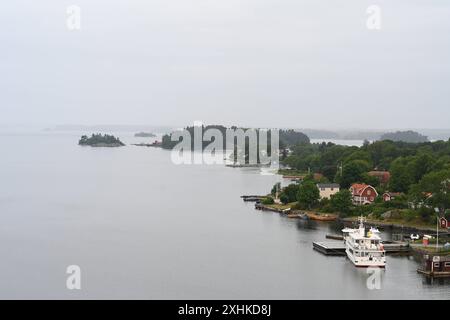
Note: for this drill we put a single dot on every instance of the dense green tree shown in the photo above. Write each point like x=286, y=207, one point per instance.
x=359, y=155
x=401, y=176
x=284, y=199
x=438, y=184
x=353, y=172
x=421, y=165
x=342, y=201
x=289, y=193
x=373, y=181
x=308, y=194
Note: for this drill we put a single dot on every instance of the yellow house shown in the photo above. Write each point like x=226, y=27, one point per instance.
x=327, y=189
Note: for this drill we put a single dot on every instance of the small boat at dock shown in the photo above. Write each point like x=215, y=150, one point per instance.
x=321, y=217
x=297, y=215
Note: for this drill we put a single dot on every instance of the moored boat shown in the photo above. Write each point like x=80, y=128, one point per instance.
x=321, y=217
x=364, y=250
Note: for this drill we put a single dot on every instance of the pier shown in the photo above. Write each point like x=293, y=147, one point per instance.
x=259, y=206
x=337, y=248
x=331, y=248
x=252, y=198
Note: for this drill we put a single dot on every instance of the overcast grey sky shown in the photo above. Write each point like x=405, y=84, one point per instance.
x=286, y=63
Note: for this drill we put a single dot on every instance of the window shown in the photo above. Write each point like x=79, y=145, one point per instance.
x=447, y=264
x=436, y=264
x=369, y=192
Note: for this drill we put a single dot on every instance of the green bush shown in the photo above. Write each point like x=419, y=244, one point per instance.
x=409, y=215
x=268, y=200
x=377, y=212
x=284, y=198
x=426, y=214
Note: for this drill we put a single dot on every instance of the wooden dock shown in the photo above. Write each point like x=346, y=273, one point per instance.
x=331, y=248
x=435, y=274
x=337, y=248
x=260, y=206
x=253, y=198
x=396, y=247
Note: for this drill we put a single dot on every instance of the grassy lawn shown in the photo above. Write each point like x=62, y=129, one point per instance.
x=281, y=206
x=431, y=249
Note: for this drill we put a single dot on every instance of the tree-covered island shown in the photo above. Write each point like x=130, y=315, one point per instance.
x=100, y=140
x=145, y=135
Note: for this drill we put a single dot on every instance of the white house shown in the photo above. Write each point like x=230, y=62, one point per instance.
x=327, y=189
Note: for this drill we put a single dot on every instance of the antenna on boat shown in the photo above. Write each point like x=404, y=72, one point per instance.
x=361, y=220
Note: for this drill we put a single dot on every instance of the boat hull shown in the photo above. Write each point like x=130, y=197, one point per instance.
x=364, y=262
x=371, y=266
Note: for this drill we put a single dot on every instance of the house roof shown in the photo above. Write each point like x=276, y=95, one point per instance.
x=358, y=188
x=385, y=176
x=328, y=185
x=379, y=173
x=393, y=194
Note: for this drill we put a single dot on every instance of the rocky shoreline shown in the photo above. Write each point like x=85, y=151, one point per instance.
x=395, y=225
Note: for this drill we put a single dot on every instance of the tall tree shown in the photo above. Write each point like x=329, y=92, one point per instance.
x=308, y=194
x=342, y=201
x=353, y=172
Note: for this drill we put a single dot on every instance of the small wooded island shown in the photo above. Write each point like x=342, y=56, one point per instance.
x=99, y=140
x=145, y=135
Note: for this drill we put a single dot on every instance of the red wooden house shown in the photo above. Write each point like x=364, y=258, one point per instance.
x=388, y=196
x=363, y=193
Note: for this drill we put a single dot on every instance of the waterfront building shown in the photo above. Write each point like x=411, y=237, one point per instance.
x=363, y=193
x=327, y=189
x=388, y=196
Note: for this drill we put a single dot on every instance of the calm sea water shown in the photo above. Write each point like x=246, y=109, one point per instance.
x=141, y=227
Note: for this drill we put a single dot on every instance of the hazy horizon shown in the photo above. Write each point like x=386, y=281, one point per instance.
x=265, y=63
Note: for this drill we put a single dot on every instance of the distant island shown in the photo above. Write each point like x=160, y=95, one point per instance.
x=145, y=135
x=288, y=137
x=99, y=140
x=405, y=136
x=153, y=144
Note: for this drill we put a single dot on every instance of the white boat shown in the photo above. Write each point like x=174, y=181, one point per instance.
x=364, y=250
